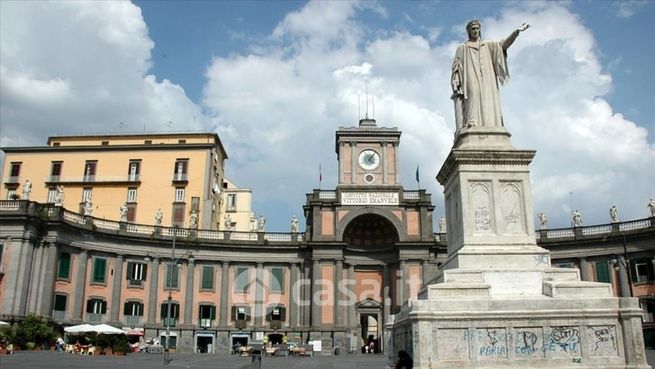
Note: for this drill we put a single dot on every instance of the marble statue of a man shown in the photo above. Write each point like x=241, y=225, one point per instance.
x=543, y=220
x=577, y=218
x=123, y=211
x=159, y=216
x=477, y=68
x=88, y=207
x=651, y=206
x=294, y=224
x=442, y=225
x=59, y=197
x=193, y=220
x=27, y=190
x=614, y=214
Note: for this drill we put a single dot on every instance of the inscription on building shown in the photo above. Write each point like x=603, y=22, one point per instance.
x=369, y=198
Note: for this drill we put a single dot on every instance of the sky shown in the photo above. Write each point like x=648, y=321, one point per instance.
x=276, y=79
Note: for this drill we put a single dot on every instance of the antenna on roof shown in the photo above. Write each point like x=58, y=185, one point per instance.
x=359, y=106
x=122, y=125
x=170, y=125
x=366, y=89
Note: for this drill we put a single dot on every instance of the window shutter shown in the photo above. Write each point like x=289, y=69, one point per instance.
x=633, y=269
x=145, y=272
x=103, y=307
x=234, y=313
x=283, y=313
x=126, y=309
x=602, y=272
x=164, y=308
x=130, y=271
x=64, y=265
x=212, y=312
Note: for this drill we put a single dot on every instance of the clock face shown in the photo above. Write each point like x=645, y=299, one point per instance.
x=369, y=159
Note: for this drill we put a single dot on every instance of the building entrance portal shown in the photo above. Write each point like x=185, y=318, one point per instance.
x=369, y=312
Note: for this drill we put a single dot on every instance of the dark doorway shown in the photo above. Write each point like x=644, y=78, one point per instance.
x=275, y=338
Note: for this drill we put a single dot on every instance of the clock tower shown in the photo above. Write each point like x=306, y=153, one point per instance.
x=368, y=155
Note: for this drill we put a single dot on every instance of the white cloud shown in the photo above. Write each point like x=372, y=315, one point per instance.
x=308, y=81
x=81, y=67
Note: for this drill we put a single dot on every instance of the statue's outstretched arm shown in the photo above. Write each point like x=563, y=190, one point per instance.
x=510, y=39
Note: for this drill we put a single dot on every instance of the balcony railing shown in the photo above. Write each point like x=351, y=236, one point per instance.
x=282, y=238
x=95, y=318
x=93, y=179
x=169, y=321
x=58, y=315
x=206, y=323
x=180, y=177
x=12, y=180
x=131, y=320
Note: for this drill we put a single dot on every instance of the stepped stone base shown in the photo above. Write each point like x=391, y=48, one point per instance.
x=519, y=318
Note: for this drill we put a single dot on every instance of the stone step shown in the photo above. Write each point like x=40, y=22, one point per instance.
x=455, y=289
x=576, y=289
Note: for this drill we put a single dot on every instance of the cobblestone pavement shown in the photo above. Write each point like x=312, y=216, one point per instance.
x=52, y=360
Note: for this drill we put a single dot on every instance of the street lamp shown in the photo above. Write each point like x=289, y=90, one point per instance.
x=169, y=271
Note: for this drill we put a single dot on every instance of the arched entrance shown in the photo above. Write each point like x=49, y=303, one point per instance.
x=372, y=256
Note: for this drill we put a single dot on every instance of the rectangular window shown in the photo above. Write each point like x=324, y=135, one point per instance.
x=207, y=278
x=11, y=194
x=240, y=313
x=64, y=266
x=104, y=143
x=55, y=171
x=207, y=314
x=277, y=280
x=178, y=215
x=60, y=302
x=180, y=170
x=131, y=195
x=276, y=313
x=241, y=279
x=195, y=204
x=52, y=195
x=181, y=141
x=172, y=276
x=231, y=201
x=136, y=273
x=15, y=170
x=99, y=270
x=642, y=270
x=133, y=170
x=179, y=194
x=175, y=313
x=96, y=306
x=87, y=194
x=133, y=308
x=90, y=170
x=603, y=272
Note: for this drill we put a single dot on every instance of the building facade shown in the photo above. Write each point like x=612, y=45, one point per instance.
x=368, y=247
x=175, y=173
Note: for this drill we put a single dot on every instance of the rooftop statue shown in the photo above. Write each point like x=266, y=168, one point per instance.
x=477, y=68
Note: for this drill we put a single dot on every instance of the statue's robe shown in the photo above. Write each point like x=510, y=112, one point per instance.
x=477, y=69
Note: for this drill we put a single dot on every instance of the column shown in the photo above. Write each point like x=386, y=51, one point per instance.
x=47, y=294
x=26, y=255
x=403, y=289
x=338, y=280
x=188, y=295
x=34, y=287
x=294, y=295
x=624, y=286
x=341, y=173
x=80, y=285
x=584, y=269
x=114, y=310
x=152, y=291
x=316, y=291
x=386, y=292
x=424, y=272
x=352, y=313
x=306, y=296
x=222, y=316
x=395, y=164
x=385, y=165
x=259, y=296
x=353, y=162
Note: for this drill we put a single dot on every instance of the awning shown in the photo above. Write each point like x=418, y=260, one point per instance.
x=133, y=331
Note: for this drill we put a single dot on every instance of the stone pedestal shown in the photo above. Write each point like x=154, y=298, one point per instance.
x=498, y=303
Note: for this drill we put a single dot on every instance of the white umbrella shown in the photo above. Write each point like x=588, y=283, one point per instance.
x=107, y=329
x=3, y=323
x=79, y=328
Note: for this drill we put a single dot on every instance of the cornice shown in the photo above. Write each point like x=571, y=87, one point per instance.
x=483, y=157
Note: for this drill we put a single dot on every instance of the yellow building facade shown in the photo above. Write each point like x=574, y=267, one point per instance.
x=123, y=177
